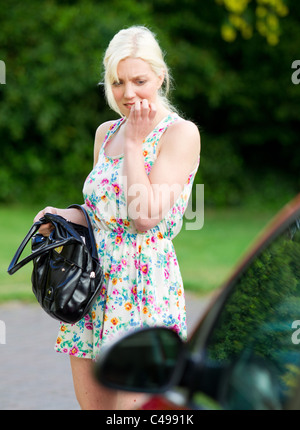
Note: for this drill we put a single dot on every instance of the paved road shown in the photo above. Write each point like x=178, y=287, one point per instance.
x=32, y=375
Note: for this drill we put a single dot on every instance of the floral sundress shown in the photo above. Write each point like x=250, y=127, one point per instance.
x=143, y=285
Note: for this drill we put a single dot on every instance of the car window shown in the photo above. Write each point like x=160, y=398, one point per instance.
x=252, y=357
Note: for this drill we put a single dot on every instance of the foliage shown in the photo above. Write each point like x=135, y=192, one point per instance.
x=242, y=18
x=240, y=94
x=217, y=246
x=259, y=313
x=52, y=104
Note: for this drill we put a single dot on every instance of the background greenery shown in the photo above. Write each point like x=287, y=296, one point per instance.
x=205, y=256
x=231, y=63
x=239, y=91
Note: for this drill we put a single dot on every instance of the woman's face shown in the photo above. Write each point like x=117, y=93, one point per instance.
x=136, y=81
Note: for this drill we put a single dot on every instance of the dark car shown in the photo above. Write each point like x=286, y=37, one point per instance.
x=245, y=352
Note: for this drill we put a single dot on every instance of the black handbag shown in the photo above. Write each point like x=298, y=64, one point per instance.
x=67, y=275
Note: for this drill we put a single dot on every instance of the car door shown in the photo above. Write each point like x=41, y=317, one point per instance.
x=245, y=352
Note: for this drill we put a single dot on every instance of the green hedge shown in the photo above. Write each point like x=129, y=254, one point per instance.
x=240, y=94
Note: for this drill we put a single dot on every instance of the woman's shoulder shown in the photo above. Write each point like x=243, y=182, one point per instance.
x=104, y=128
x=184, y=126
x=100, y=135
x=183, y=130
x=181, y=141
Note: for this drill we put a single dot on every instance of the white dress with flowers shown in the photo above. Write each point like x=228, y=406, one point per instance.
x=143, y=285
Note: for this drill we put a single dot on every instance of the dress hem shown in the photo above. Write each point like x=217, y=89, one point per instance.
x=79, y=354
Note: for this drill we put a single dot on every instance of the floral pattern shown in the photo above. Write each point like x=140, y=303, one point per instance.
x=142, y=283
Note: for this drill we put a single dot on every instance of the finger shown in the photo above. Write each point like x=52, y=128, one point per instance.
x=37, y=217
x=131, y=113
x=46, y=229
x=144, y=108
x=48, y=209
x=153, y=111
x=137, y=109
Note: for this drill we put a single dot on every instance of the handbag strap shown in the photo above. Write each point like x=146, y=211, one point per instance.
x=90, y=228
x=15, y=265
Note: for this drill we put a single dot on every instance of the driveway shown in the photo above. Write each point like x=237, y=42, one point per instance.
x=32, y=375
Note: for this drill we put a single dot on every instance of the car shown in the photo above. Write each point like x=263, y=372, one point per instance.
x=244, y=353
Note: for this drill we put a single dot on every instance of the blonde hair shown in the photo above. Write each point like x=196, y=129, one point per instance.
x=135, y=42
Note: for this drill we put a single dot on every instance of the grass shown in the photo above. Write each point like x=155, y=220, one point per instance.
x=205, y=256
x=14, y=224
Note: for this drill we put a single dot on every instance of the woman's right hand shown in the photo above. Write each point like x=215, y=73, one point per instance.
x=45, y=229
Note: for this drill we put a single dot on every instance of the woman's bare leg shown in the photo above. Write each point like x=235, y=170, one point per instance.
x=93, y=396
x=89, y=393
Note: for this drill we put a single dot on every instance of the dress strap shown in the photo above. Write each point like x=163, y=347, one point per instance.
x=111, y=131
x=159, y=130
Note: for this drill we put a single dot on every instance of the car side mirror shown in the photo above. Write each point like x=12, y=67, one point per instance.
x=150, y=360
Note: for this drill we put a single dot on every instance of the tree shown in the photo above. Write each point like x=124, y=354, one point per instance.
x=244, y=19
x=240, y=94
x=52, y=104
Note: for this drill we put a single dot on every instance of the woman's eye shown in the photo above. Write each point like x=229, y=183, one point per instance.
x=116, y=84
x=140, y=82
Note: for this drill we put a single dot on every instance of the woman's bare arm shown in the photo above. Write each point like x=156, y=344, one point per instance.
x=74, y=215
x=178, y=157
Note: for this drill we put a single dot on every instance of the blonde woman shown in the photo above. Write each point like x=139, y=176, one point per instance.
x=136, y=195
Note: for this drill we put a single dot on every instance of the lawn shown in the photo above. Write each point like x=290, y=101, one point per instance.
x=206, y=256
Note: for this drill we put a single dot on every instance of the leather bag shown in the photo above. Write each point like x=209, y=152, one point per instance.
x=67, y=276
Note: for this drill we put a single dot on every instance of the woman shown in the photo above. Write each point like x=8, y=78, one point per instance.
x=136, y=195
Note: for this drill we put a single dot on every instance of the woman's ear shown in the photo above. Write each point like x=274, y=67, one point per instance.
x=161, y=79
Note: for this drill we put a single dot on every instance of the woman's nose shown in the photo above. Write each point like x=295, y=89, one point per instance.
x=128, y=91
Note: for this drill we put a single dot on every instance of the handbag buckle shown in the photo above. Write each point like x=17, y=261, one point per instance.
x=49, y=294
